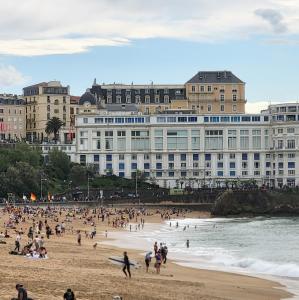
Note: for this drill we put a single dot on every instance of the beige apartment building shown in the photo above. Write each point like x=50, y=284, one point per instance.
x=44, y=101
x=216, y=92
x=212, y=92
x=12, y=118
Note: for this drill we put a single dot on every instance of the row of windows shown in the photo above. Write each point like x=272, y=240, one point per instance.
x=136, y=99
x=223, y=119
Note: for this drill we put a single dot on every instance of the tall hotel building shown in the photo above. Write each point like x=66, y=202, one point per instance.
x=201, y=145
x=44, y=101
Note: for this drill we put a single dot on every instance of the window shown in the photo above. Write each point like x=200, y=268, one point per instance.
x=134, y=166
x=291, y=144
x=134, y=157
x=170, y=157
x=214, y=139
x=291, y=165
x=268, y=164
x=220, y=165
x=291, y=130
x=158, y=174
x=220, y=156
x=121, y=157
x=108, y=157
x=220, y=173
x=222, y=97
x=177, y=139
x=232, y=156
x=147, y=99
x=232, y=173
x=209, y=88
x=291, y=155
x=234, y=107
x=244, y=165
x=171, y=166
x=207, y=156
x=280, y=144
x=232, y=165
x=158, y=166
x=158, y=156
x=193, y=88
x=171, y=174
x=244, y=156
x=280, y=165
x=256, y=156
x=183, y=157
x=195, y=139
x=121, y=166
x=234, y=97
x=146, y=166
x=209, y=107
x=183, y=174
x=96, y=157
x=221, y=107
x=195, y=156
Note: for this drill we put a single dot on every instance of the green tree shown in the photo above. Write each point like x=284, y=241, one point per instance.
x=53, y=126
x=78, y=175
x=59, y=165
x=22, y=179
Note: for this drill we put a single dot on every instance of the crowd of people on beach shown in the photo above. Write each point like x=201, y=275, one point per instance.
x=33, y=227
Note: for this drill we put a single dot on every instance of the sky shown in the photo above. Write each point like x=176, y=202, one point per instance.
x=164, y=41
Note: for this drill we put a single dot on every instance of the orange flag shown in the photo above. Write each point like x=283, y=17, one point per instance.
x=32, y=197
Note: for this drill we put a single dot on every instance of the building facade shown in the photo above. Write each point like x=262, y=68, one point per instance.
x=216, y=93
x=12, y=118
x=44, y=101
x=219, y=92
x=203, y=149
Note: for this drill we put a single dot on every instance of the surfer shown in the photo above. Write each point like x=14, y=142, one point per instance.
x=126, y=265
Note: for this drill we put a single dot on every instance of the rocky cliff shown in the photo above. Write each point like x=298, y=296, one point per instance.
x=232, y=203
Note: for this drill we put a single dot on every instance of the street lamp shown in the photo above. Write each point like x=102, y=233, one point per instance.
x=88, y=192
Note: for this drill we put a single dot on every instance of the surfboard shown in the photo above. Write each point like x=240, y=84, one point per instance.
x=120, y=261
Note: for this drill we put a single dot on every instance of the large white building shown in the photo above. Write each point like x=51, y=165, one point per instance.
x=172, y=149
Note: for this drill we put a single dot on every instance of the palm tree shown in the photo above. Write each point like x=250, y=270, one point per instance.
x=53, y=126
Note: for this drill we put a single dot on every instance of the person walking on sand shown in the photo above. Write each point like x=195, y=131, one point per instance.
x=17, y=242
x=147, y=260
x=126, y=265
x=79, y=238
x=158, y=262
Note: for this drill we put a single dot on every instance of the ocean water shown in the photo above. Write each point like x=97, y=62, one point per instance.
x=267, y=247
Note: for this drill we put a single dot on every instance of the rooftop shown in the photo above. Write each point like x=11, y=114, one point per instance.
x=215, y=77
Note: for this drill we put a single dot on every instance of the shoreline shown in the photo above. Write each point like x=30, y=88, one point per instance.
x=88, y=271
x=281, y=284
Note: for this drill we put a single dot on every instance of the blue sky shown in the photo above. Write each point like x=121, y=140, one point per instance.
x=131, y=41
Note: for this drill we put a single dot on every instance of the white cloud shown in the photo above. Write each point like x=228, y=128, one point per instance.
x=10, y=76
x=33, y=27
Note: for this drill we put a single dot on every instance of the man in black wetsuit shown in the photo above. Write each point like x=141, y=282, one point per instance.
x=69, y=295
x=126, y=265
x=22, y=293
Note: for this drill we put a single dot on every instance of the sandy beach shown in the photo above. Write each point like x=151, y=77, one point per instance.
x=92, y=276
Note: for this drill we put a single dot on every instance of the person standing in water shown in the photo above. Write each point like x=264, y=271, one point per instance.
x=126, y=265
x=187, y=244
